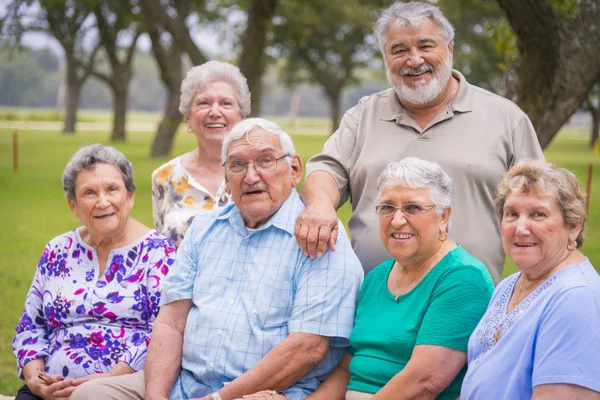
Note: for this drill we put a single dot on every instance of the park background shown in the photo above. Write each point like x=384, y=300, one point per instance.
x=85, y=71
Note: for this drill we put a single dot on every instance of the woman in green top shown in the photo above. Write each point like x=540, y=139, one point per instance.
x=416, y=310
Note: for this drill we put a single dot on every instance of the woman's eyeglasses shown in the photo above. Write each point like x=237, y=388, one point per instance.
x=409, y=210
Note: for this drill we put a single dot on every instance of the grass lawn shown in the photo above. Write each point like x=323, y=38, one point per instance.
x=33, y=208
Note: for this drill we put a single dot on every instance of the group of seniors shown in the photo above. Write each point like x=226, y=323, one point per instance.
x=260, y=289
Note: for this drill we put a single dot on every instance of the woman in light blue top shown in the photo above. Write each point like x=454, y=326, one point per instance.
x=540, y=336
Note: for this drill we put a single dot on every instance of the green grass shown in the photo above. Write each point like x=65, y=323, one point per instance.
x=33, y=208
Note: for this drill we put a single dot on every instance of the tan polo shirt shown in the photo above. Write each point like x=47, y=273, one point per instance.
x=476, y=139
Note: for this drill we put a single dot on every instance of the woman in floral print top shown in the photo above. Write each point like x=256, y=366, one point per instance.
x=96, y=290
x=214, y=97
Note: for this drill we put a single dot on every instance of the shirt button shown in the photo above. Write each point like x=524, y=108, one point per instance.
x=230, y=301
x=220, y=332
x=212, y=365
x=240, y=271
x=247, y=239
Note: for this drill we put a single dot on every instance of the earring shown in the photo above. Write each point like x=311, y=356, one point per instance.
x=571, y=245
x=189, y=130
x=444, y=236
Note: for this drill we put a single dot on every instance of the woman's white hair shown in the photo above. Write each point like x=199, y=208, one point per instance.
x=415, y=173
x=200, y=76
x=411, y=14
x=246, y=125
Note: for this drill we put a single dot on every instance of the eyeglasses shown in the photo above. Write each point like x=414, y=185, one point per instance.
x=409, y=210
x=262, y=164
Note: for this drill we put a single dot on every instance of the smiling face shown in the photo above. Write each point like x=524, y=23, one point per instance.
x=214, y=111
x=259, y=195
x=418, y=62
x=410, y=240
x=102, y=202
x=534, y=232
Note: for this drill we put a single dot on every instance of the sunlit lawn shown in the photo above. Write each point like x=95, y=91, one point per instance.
x=33, y=208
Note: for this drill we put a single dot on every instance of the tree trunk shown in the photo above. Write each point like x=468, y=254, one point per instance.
x=254, y=42
x=334, y=107
x=163, y=141
x=73, y=89
x=558, y=60
x=595, y=112
x=120, y=113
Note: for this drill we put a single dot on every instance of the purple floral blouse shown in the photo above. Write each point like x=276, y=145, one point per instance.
x=83, y=323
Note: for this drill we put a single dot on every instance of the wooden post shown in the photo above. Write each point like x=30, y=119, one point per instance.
x=588, y=189
x=15, y=152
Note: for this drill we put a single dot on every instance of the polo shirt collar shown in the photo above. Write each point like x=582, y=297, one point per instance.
x=284, y=218
x=462, y=101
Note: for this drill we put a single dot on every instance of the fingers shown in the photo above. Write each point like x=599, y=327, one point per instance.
x=79, y=381
x=315, y=231
x=59, y=389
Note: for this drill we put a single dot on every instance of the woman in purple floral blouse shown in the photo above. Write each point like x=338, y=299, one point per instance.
x=96, y=290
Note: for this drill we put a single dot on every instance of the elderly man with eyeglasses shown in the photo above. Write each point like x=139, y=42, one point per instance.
x=243, y=309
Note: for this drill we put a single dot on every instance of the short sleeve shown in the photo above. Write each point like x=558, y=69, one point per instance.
x=456, y=306
x=337, y=154
x=179, y=283
x=568, y=344
x=326, y=294
x=526, y=145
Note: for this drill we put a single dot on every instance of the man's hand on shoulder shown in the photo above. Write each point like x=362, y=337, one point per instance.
x=316, y=229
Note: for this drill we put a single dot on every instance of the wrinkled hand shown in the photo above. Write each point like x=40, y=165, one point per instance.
x=79, y=381
x=316, y=229
x=60, y=390
x=264, y=395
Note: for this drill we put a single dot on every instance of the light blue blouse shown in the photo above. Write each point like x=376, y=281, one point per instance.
x=553, y=336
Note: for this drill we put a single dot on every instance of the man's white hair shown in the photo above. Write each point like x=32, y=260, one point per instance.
x=246, y=125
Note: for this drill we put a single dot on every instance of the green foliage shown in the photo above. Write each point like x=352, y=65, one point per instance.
x=566, y=7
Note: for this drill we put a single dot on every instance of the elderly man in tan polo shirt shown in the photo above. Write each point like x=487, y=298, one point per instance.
x=430, y=112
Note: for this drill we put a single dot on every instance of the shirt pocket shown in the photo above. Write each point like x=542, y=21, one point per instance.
x=270, y=298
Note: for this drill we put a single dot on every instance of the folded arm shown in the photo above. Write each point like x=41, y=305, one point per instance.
x=283, y=366
x=165, y=351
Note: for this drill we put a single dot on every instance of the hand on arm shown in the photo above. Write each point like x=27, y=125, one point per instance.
x=283, y=366
x=317, y=226
x=165, y=351
x=430, y=370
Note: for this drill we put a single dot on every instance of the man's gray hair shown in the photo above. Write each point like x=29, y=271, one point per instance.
x=416, y=173
x=201, y=76
x=411, y=14
x=246, y=125
x=86, y=157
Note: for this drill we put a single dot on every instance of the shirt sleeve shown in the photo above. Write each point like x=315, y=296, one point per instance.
x=30, y=341
x=326, y=294
x=158, y=199
x=179, y=284
x=161, y=259
x=336, y=156
x=455, y=308
x=568, y=342
x=526, y=145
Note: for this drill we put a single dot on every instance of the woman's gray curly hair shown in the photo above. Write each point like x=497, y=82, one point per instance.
x=200, y=76
x=87, y=157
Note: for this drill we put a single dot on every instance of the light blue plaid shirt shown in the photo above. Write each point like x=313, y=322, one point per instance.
x=250, y=289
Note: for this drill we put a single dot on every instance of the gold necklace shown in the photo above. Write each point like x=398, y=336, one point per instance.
x=413, y=281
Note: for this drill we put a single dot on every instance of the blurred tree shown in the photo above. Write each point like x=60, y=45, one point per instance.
x=168, y=55
x=66, y=20
x=118, y=30
x=559, y=61
x=592, y=105
x=325, y=43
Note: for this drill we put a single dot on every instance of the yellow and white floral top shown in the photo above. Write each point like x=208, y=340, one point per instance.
x=177, y=198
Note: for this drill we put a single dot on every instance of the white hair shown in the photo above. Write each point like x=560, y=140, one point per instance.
x=201, y=76
x=414, y=173
x=411, y=14
x=246, y=125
